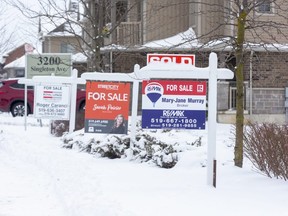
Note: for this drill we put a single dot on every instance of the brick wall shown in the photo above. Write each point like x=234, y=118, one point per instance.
x=270, y=77
x=270, y=70
x=15, y=54
x=267, y=101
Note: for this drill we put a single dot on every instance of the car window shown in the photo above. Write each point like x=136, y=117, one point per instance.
x=1, y=84
x=81, y=87
x=20, y=86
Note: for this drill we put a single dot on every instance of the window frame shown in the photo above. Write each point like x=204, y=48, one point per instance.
x=67, y=48
x=20, y=72
x=261, y=7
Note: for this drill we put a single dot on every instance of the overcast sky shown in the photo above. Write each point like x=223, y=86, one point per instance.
x=17, y=27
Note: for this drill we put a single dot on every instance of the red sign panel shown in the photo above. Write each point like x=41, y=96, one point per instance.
x=107, y=107
x=175, y=58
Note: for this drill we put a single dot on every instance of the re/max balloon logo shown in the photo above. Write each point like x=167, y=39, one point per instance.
x=154, y=91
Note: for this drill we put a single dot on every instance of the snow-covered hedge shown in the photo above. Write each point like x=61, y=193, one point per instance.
x=158, y=147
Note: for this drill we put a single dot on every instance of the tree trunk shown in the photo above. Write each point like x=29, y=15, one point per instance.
x=96, y=42
x=238, y=150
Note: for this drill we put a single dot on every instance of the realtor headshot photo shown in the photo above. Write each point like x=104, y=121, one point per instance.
x=119, y=126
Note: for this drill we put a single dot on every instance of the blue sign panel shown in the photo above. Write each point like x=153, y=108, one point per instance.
x=176, y=119
x=173, y=104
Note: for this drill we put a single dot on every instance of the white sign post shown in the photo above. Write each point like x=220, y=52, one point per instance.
x=160, y=69
x=170, y=68
x=46, y=64
x=73, y=81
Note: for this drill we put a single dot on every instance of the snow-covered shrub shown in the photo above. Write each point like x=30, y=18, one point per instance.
x=111, y=147
x=148, y=146
x=266, y=146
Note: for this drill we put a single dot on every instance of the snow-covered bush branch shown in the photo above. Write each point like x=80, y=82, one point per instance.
x=148, y=147
x=266, y=146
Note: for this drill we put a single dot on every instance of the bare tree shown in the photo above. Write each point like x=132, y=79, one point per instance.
x=92, y=22
x=239, y=26
x=249, y=28
x=6, y=36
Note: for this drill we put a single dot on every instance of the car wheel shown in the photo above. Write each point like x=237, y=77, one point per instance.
x=18, y=109
x=82, y=107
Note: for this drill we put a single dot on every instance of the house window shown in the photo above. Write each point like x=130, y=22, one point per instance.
x=265, y=6
x=19, y=72
x=233, y=97
x=139, y=11
x=67, y=48
x=121, y=11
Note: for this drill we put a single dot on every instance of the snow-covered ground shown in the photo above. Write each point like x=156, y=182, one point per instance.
x=40, y=178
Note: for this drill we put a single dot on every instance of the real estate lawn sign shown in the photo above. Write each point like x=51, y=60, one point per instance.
x=173, y=104
x=56, y=86
x=52, y=101
x=104, y=102
x=170, y=103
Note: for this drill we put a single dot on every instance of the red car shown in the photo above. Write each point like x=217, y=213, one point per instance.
x=12, y=97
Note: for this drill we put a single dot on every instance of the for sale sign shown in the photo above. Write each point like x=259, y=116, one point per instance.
x=52, y=101
x=186, y=59
x=173, y=104
x=107, y=107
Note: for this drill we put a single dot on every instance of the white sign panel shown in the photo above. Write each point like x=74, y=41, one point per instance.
x=52, y=101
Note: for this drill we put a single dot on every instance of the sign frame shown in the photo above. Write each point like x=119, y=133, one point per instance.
x=165, y=71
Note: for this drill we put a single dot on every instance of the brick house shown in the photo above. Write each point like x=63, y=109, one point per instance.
x=265, y=73
x=61, y=40
x=150, y=21
x=14, y=61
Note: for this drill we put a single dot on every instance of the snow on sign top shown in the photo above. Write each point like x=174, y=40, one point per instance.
x=182, y=59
